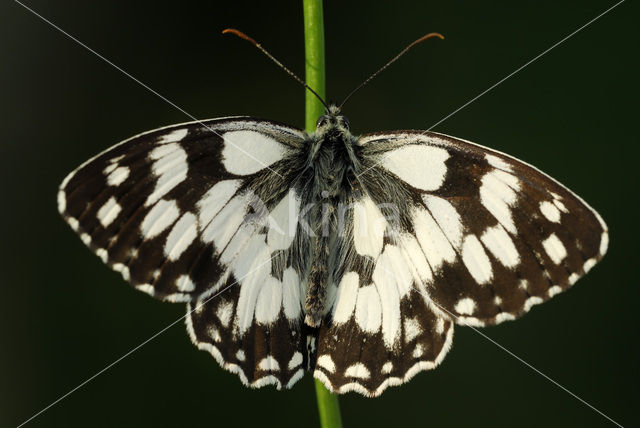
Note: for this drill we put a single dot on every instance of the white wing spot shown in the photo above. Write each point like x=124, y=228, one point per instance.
x=269, y=364
x=184, y=232
x=346, y=299
x=392, y=278
x=62, y=201
x=368, y=227
x=476, y=260
x=86, y=239
x=554, y=290
x=524, y=284
x=326, y=362
x=109, y=211
x=554, y=248
x=387, y=367
x=411, y=329
x=215, y=199
x=550, y=211
x=291, y=294
x=420, y=166
x=588, y=265
x=214, y=334
x=118, y=176
x=224, y=313
x=604, y=243
x=225, y=224
x=295, y=361
x=447, y=218
x=109, y=168
x=184, y=284
x=269, y=301
x=416, y=258
x=573, y=278
x=465, y=306
x=369, y=309
x=496, y=162
x=160, y=217
x=418, y=351
x=357, y=370
x=497, y=194
x=440, y=326
x=251, y=269
x=504, y=316
x=283, y=221
x=75, y=225
x=102, y=253
x=240, y=355
x=434, y=243
x=532, y=301
x=170, y=166
x=173, y=136
x=123, y=269
x=247, y=152
x=497, y=240
x=560, y=206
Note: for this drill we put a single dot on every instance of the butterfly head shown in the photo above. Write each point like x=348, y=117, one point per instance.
x=332, y=123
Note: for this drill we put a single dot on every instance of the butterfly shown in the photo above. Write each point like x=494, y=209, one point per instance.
x=351, y=257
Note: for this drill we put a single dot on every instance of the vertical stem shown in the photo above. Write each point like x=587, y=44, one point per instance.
x=328, y=406
x=314, y=61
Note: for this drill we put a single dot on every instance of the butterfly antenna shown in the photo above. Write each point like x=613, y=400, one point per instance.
x=271, y=57
x=394, y=59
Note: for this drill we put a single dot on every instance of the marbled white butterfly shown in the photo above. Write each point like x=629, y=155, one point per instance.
x=348, y=256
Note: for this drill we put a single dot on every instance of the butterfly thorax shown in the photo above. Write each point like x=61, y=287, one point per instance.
x=332, y=154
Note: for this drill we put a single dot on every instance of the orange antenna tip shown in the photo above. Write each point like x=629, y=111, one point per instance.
x=239, y=34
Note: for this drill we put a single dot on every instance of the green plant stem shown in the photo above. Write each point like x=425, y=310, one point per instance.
x=314, y=61
x=328, y=405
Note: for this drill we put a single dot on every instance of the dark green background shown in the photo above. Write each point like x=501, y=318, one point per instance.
x=65, y=316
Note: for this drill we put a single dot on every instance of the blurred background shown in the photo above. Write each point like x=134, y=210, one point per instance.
x=64, y=316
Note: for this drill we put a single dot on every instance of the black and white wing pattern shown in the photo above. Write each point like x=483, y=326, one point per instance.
x=445, y=232
x=387, y=239
x=180, y=213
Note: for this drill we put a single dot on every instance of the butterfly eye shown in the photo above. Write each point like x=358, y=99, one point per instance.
x=344, y=121
x=322, y=121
